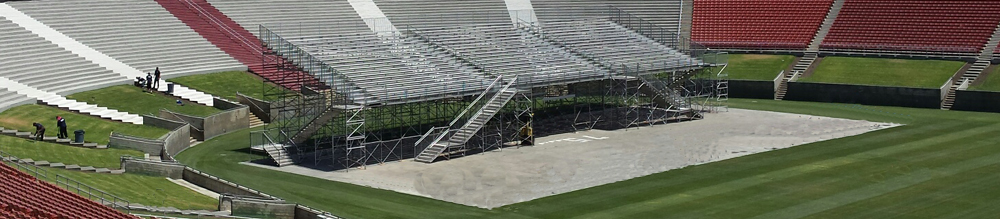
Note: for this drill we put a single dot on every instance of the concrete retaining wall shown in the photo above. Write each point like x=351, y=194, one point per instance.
x=153, y=168
x=864, y=94
x=261, y=109
x=235, y=117
x=257, y=208
x=160, y=122
x=178, y=140
x=980, y=101
x=219, y=185
x=149, y=146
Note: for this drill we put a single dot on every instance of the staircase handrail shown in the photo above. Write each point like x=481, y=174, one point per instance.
x=429, y=133
x=505, y=87
x=947, y=88
x=480, y=97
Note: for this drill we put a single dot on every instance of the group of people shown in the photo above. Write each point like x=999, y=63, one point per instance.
x=60, y=122
x=151, y=82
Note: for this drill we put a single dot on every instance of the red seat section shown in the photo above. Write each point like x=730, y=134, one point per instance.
x=23, y=196
x=236, y=41
x=769, y=24
x=914, y=25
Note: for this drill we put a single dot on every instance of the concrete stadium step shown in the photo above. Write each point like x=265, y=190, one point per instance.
x=824, y=29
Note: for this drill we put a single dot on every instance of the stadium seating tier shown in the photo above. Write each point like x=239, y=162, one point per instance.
x=23, y=196
x=913, y=25
x=772, y=24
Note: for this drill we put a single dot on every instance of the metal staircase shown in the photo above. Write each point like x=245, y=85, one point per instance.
x=458, y=137
x=667, y=95
x=279, y=153
x=800, y=67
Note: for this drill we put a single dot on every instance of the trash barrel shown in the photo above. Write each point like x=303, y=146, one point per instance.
x=79, y=136
x=170, y=88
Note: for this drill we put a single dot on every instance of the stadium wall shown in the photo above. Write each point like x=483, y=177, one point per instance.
x=864, y=94
x=218, y=185
x=261, y=109
x=257, y=208
x=235, y=117
x=979, y=101
x=153, y=168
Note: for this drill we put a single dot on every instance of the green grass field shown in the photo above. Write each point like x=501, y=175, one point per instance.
x=884, y=72
x=132, y=99
x=97, y=129
x=57, y=153
x=756, y=67
x=226, y=84
x=142, y=189
x=990, y=83
x=941, y=164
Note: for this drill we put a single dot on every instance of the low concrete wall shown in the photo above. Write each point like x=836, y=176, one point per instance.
x=257, y=208
x=161, y=122
x=149, y=146
x=864, y=94
x=235, y=117
x=261, y=109
x=979, y=101
x=178, y=140
x=153, y=168
x=218, y=185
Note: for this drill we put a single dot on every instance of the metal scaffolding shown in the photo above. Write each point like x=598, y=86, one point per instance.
x=367, y=98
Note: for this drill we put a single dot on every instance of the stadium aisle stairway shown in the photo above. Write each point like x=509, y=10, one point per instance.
x=233, y=39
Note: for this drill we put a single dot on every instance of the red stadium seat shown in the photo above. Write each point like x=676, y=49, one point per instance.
x=914, y=25
x=765, y=24
x=23, y=196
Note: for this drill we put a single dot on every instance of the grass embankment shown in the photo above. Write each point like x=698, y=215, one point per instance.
x=990, y=83
x=142, y=189
x=57, y=153
x=97, y=129
x=884, y=72
x=755, y=67
x=942, y=163
x=226, y=84
x=132, y=99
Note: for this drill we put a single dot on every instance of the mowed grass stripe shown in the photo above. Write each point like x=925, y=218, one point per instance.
x=773, y=196
x=945, y=194
x=743, y=183
x=909, y=179
x=669, y=183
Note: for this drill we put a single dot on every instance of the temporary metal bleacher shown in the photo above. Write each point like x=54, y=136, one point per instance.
x=138, y=33
x=663, y=13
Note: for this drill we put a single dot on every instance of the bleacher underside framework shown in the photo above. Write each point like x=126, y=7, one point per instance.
x=439, y=92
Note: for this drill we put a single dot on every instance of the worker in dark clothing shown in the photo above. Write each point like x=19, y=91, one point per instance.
x=149, y=82
x=156, y=80
x=39, y=131
x=61, y=122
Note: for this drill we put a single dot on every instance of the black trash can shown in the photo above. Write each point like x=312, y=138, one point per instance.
x=79, y=136
x=170, y=88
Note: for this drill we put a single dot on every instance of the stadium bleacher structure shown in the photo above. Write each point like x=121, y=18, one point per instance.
x=449, y=13
x=766, y=24
x=34, y=61
x=315, y=15
x=138, y=33
x=662, y=13
x=233, y=39
x=24, y=196
x=910, y=25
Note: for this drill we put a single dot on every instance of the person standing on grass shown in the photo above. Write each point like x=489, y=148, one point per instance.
x=61, y=122
x=39, y=131
x=149, y=82
x=156, y=81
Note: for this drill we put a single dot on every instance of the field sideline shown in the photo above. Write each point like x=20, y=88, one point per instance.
x=941, y=164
